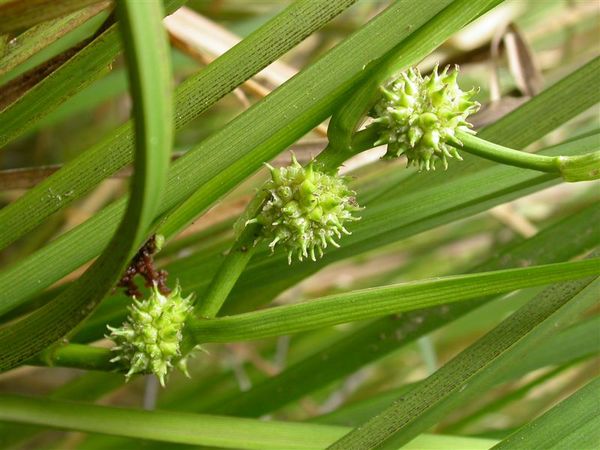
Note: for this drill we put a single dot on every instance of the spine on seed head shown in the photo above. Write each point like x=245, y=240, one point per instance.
x=149, y=340
x=305, y=210
x=418, y=117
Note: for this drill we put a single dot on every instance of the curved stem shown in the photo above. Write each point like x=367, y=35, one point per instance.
x=330, y=159
x=222, y=283
x=147, y=55
x=505, y=155
x=234, y=264
x=571, y=168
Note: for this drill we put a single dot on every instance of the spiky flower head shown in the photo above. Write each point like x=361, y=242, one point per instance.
x=418, y=117
x=149, y=341
x=305, y=210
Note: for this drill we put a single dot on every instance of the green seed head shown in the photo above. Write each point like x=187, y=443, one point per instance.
x=305, y=210
x=418, y=117
x=149, y=341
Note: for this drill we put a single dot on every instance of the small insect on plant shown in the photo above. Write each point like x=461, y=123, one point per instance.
x=309, y=224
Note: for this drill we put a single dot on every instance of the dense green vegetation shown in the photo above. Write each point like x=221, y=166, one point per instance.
x=421, y=275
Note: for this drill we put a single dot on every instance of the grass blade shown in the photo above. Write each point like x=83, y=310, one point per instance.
x=196, y=429
x=385, y=335
x=473, y=370
x=17, y=14
x=374, y=302
x=220, y=161
x=42, y=35
x=147, y=53
x=87, y=65
x=573, y=423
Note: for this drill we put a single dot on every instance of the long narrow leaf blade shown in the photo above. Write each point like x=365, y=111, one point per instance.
x=369, y=303
x=197, y=429
x=474, y=370
x=147, y=53
x=223, y=159
x=573, y=423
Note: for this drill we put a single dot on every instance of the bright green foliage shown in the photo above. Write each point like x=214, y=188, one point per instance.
x=419, y=116
x=149, y=340
x=441, y=349
x=305, y=210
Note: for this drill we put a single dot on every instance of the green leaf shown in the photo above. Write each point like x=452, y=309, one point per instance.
x=474, y=370
x=17, y=14
x=572, y=344
x=561, y=351
x=453, y=18
x=377, y=339
x=573, y=423
x=220, y=161
x=86, y=388
x=196, y=429
x=87, y=65
x=342, y=308
x=42, y=35
x=374, y=302
x=146, y=50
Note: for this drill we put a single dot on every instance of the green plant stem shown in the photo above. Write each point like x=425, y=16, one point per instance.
x=354, y=306
x=542, y=163
x=77, y=356
x=331, y=158
x=375, y=302
x=245, y=245
x=505, y=155
x=571, y=168
x=423, y=41
x=232, y=267
x=228, y=273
